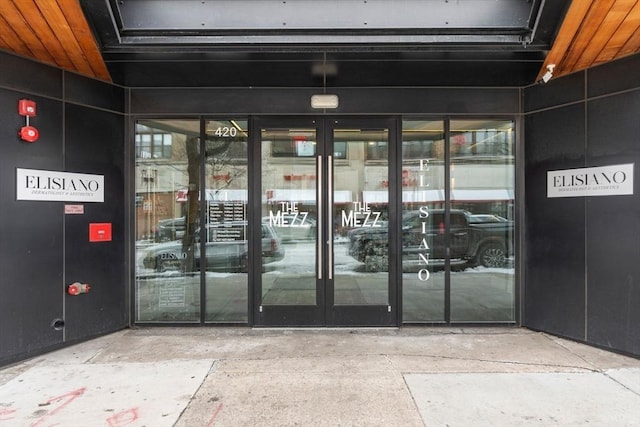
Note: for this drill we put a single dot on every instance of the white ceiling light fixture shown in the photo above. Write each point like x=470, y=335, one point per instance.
x=324, y=101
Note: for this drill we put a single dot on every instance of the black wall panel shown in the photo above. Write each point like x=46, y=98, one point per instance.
x=556, y=92
x=555, y=242
x=582, y=253
x=434, y=73
x=222, y=101
x=189, y=101
x=614, y=77
x=30, y=77
x=31, y=234
x=86, y=91
x=613, y=227
x=42, y=250
x=215, y=74
x=305, y=70
x=437, y=101
x=100, y=264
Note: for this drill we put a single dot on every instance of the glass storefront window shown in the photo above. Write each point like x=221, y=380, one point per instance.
x=226, y=246
x=423, y=202
x=458, y=239
x=456, y=229
x=482, y=194
x=178, y=236
x=167, y=221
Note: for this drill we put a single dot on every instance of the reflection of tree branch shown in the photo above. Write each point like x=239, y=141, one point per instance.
x=193, y=198
x=219, y=149
x=220, y=157
x=213, y=150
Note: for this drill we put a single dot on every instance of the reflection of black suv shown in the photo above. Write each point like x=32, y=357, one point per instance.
x=474, y=239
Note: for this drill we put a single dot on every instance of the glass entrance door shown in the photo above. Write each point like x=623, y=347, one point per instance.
x=325, y=247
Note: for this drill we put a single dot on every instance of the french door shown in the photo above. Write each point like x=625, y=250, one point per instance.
x=324, y=251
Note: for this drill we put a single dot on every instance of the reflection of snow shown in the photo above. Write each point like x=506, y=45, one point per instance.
x=480, y=269
x=220, y=275
x=144, y=243
x=300, y=259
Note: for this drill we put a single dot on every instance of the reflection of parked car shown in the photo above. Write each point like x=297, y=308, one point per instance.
x=226, y=250
x=474, y=239
x=293, y=226
x=484, y=218
x=170, y=229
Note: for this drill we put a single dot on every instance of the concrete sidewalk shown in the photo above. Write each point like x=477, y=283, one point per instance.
x=192, y=377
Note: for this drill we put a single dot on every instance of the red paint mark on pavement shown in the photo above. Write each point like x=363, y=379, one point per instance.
x=215, y=414
x=123, y=418
x=7, y=414
x=66, y=398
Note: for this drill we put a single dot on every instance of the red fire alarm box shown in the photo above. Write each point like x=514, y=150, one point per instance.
x=100, y=232
x=27, y=107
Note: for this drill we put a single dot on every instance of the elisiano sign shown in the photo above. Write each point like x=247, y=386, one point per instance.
x=41, y=185
x=612, y=180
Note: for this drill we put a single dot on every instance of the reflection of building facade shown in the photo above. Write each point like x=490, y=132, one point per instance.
x=479, y=178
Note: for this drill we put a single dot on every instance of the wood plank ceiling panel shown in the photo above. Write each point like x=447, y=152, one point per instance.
x=631, y=46
x=22, y=28
x=594, y=32
x=586, y=36
x=39, y=26
x=10, y=38
x=52, y=31
x=609, y=26
x=624, y=32
x=58, y=23
x=78, y=24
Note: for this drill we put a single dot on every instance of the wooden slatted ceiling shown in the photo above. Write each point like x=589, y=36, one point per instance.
x=595, y=32
x=56, y=32
x=52, y=31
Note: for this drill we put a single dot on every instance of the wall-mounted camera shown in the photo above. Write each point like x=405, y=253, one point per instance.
x=547, y=76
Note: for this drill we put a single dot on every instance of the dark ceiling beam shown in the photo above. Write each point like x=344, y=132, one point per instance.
x=266, y=42
x=429, y=24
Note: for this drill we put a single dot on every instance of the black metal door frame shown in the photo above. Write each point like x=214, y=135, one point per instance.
x=325, y=312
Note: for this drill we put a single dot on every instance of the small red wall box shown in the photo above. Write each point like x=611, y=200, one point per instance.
x=100, y=232
x=27, y=107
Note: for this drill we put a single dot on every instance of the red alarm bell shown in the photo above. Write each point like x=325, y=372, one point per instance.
x=29, y=133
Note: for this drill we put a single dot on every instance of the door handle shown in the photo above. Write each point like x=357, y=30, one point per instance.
x=319, y=223
x=330, y=215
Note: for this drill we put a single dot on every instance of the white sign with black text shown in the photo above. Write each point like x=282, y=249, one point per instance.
x=41, y=185
x=612, y=180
